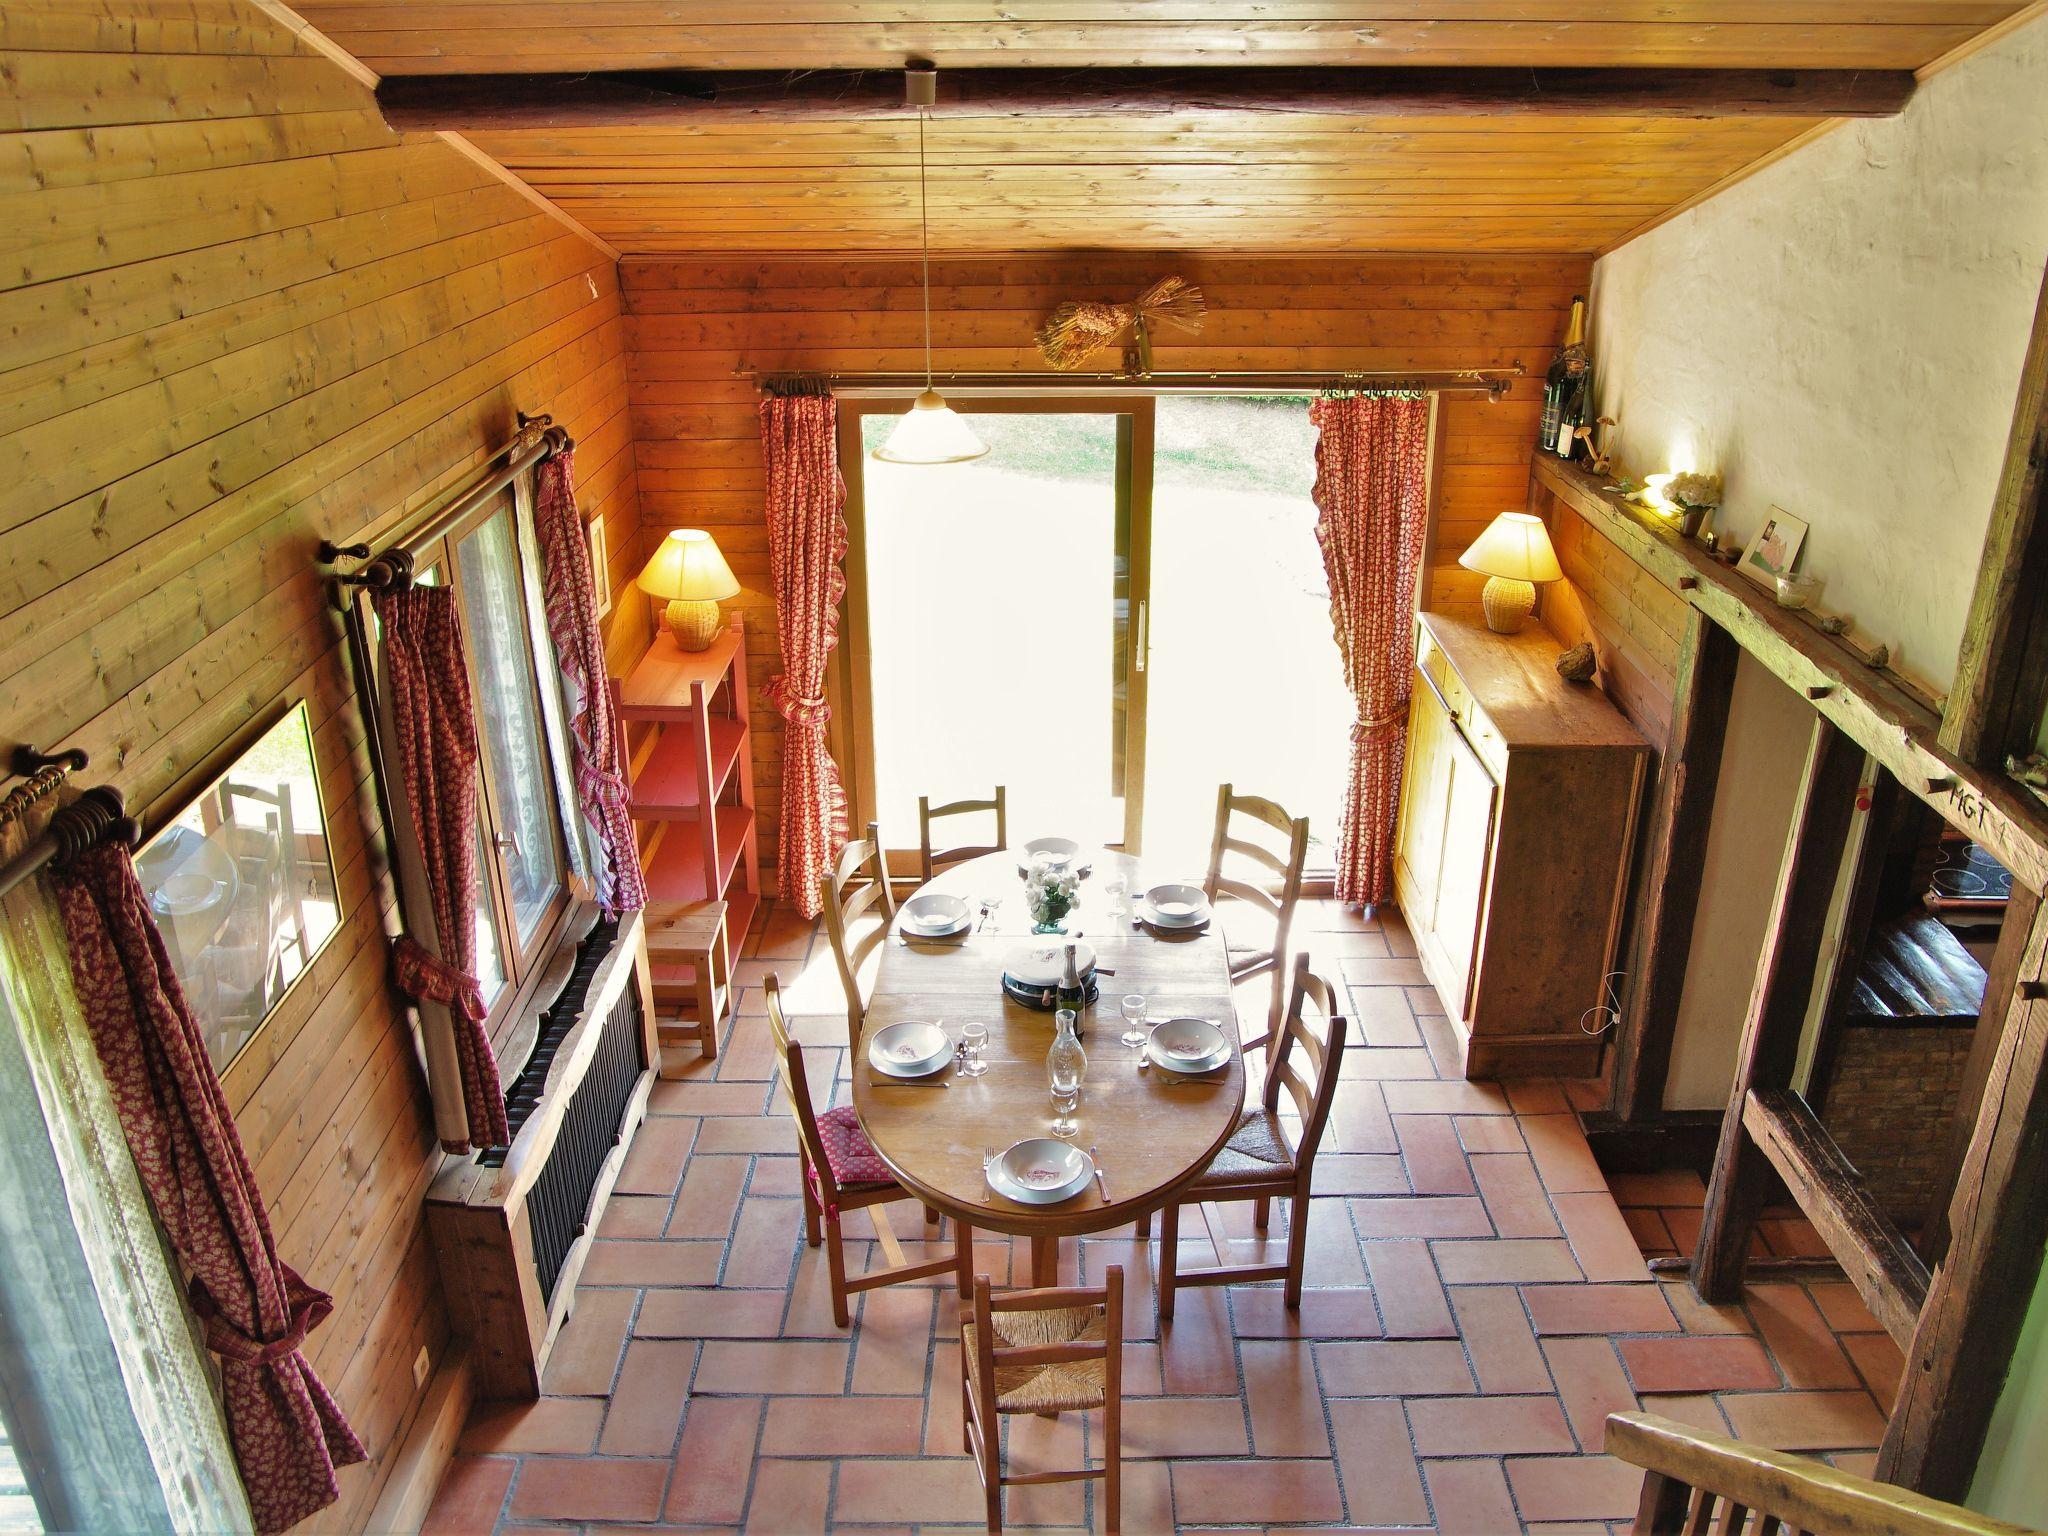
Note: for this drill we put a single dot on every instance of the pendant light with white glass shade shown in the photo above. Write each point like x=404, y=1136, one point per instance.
x=931, y=431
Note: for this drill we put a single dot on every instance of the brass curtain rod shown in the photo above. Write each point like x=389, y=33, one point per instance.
x=1492, y=382
x=392, y=567
x=95, y=817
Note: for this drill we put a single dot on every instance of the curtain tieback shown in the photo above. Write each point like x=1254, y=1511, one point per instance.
x=307, y=1310
x=798, y=709
x=1368, y=726
x=599, y=785
x=432, y=979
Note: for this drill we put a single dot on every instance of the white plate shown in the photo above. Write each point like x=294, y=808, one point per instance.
x=1045, y=965
x=1153, y=921
x=1041, y=1171
x=909, y=1050
x=1188, y=1045
x=934, y=915
x=1177, y=906
x=188, y=891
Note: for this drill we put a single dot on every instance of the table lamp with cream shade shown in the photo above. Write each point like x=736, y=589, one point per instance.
x=1514, y=554
x=690, y=572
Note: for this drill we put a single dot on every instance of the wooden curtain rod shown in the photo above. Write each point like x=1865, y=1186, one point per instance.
x=679, y=97
x=392, y=567
x=43, y=774
x=98, y=816
x=1492, y=382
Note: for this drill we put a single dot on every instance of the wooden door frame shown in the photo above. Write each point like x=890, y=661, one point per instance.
x=1961, y=1328
x=1962, y=1322
x=849, y=675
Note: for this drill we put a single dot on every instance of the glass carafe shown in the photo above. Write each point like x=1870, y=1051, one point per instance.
x=1066, y=1064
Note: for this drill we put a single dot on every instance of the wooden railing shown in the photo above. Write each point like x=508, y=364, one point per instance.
x=1697, y=1483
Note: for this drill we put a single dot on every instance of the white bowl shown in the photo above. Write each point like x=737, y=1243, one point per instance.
x=934, y=913
x=909, y=1050
x=1061, y=850
x=1188, y=1045
x=1177, y=906
x=1041, y=1171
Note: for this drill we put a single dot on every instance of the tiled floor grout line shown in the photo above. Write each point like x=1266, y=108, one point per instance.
x=1516, y=1474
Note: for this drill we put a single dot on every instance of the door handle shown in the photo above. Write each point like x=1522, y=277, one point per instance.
x=1143, y=641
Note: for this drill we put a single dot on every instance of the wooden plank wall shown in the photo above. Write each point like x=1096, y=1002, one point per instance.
x=698, y=327
x=236, y=315
x=1632, y=620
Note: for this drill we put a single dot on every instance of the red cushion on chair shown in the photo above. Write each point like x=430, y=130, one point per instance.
x=848, y=1150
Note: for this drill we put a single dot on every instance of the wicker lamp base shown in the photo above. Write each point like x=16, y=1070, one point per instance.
x=1508, y=603
x=695, y=625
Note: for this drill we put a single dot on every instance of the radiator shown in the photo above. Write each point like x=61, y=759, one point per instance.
x=512, y=1224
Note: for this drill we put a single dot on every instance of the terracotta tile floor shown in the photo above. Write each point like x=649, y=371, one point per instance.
x=1478, y=1304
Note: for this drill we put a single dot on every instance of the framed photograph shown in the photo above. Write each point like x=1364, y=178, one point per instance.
x=600, y=566
x=242, y=885
x=1774, y=549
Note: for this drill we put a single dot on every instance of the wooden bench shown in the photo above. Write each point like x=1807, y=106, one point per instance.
x=691, y=934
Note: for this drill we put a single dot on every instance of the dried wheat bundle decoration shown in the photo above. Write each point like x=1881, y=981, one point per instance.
x=1078, y=330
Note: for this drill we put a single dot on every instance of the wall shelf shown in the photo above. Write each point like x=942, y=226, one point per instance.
x=692, y=791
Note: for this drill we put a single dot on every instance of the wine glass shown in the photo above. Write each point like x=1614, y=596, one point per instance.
x=975, y=1038
x=1118, y=890
x=1133, y=1010
x=1066, y=1098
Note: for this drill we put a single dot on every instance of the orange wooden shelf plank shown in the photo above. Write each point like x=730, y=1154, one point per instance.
x=658, y=687
x=666, y=787
x=675, y=872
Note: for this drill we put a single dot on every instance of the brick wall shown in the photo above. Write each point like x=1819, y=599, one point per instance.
x=1889, y=1101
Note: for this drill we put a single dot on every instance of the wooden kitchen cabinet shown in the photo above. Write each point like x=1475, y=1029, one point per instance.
x=1518, y=811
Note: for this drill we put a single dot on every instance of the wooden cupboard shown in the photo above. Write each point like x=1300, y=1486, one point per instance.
x=1518, y=808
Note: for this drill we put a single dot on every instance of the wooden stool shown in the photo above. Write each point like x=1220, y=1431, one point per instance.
x=691, y=933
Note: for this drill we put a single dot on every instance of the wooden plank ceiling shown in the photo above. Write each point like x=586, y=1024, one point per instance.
x=1212, y=183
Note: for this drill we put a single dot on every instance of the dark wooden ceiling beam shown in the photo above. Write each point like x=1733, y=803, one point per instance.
x=670, y=97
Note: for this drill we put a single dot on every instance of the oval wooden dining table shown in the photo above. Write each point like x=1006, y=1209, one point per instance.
x=1153, y=1133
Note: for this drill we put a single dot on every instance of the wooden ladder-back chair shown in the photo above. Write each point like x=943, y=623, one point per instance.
x=851, y=890
x=840, y=1172
x=1283, y=872
x=1047, y=1352
x=929, y=862
x=1695, y=1482
x=1257, y=1163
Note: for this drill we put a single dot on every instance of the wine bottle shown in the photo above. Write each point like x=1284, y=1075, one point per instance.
x=1072, y=994
x=1567, y=388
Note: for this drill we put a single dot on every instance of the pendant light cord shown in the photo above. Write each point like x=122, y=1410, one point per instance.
x=924, y=221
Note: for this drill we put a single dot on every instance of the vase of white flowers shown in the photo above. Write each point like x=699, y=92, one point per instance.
x=1695, y=495
x=1049, y=890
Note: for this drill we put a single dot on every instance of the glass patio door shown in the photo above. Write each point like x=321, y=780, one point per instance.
x=996, y=615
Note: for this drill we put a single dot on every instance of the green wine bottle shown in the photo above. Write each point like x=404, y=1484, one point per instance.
x=1072, y=992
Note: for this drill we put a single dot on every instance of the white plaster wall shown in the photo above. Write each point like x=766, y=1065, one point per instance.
x=1762, y=758
x=1841, y=335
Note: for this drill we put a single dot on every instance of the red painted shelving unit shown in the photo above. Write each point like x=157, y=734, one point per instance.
x=693, y=781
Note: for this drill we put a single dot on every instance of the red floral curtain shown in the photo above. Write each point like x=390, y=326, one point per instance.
x=806, y=543
x=434, y=730
x=571, y=601
x=1372, y=494
x=288, y=1433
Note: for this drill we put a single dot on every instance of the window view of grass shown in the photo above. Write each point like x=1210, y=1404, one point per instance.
x=991, y=617
x=993, y=613
x=1246, y=684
